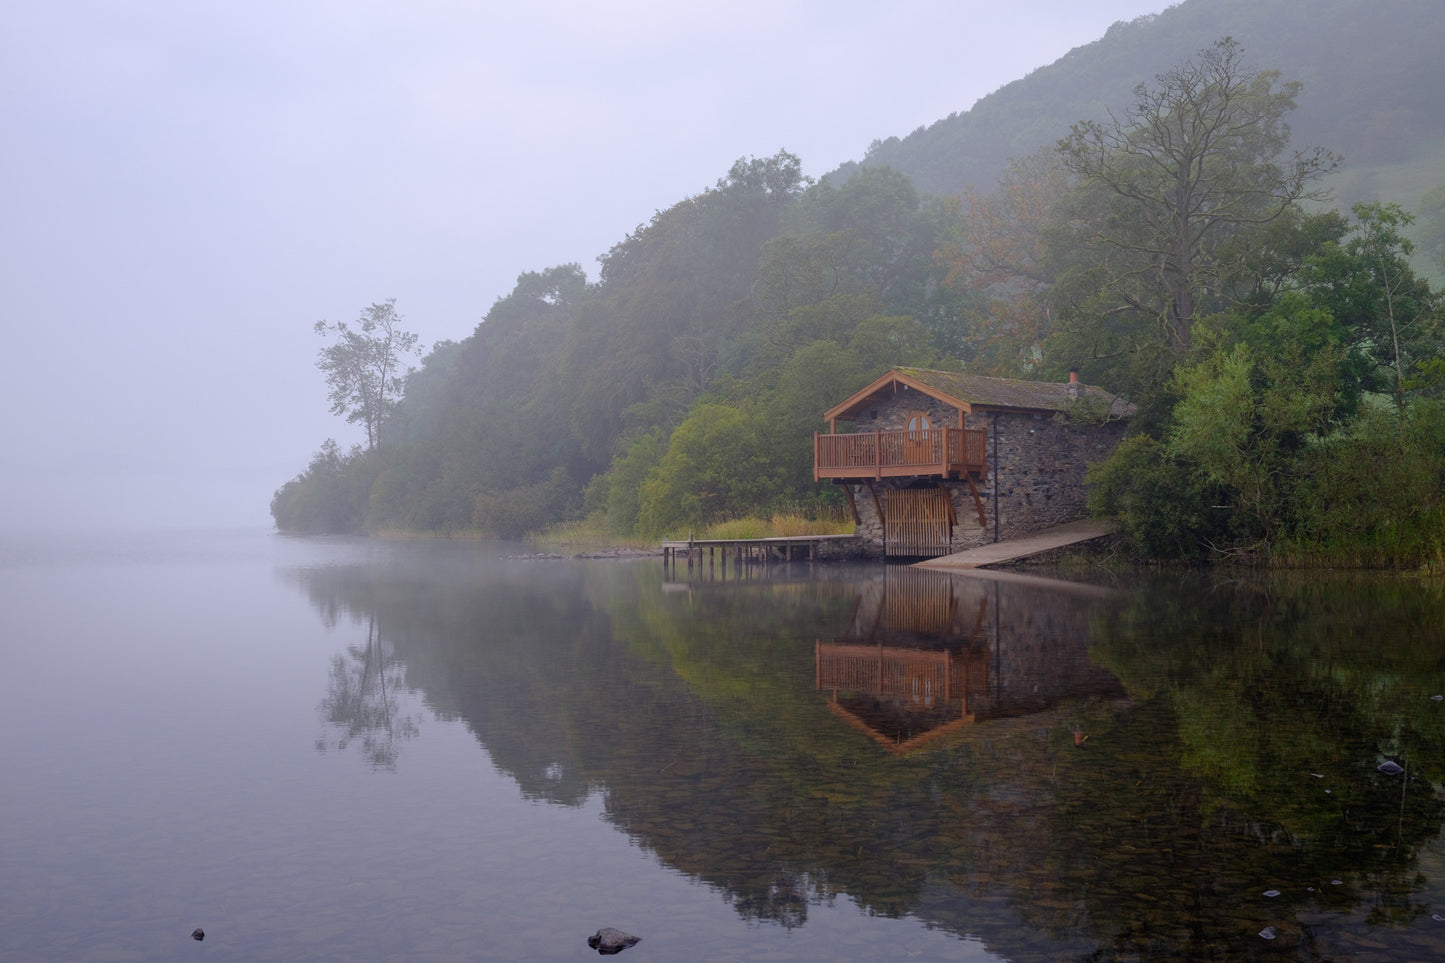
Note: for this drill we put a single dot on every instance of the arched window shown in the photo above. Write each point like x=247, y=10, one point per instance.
x=919, y=425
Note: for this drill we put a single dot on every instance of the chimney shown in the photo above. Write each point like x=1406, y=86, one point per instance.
x=1073, y=383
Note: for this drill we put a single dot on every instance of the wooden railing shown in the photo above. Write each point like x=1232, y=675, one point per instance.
x=918, y=676
x=882, y=454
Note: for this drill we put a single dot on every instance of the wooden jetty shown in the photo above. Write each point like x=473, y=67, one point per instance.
x=1022, y=546
x=742, y=552
x=748, y=551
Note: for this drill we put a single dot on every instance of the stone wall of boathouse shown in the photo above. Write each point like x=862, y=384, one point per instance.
x=1035, y=479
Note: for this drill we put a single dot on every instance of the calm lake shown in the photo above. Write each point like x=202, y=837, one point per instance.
x=426, y=750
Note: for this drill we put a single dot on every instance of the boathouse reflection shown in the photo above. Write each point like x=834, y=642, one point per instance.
x=927, y=653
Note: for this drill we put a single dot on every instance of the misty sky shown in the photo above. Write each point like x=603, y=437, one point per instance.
x=189, y=186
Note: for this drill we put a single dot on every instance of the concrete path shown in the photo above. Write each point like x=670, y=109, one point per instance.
x=1012, y=549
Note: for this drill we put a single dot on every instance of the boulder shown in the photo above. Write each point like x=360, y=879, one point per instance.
x=608, y=941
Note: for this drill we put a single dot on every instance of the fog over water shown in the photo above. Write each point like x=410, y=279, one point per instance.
x=192, y=186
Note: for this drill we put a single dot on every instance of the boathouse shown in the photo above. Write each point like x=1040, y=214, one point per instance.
x=935, y=462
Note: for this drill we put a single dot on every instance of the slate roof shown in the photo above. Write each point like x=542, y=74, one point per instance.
x=974, y=392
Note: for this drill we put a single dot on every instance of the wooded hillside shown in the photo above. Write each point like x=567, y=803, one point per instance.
x=683, y=384
x=1371, y=75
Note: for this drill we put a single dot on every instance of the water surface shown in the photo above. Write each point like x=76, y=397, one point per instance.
x=377, y=750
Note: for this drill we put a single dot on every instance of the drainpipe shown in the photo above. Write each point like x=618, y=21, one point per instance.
x=995, y=477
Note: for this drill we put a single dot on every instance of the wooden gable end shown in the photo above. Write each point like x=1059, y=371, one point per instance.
x=889, y=391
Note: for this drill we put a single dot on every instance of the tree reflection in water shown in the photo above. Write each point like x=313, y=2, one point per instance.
x=363, y=701
x=1234, y=734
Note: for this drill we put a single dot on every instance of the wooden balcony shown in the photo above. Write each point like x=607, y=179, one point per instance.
x=941, y=452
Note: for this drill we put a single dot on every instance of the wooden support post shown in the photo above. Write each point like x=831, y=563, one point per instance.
x=977, y=501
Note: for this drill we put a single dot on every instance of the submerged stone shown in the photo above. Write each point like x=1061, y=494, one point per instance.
x=608, y=941
x=1267, y=933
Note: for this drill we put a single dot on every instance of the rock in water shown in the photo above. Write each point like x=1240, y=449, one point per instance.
x=198, y=934
x=608, y=941
x=1390, y=768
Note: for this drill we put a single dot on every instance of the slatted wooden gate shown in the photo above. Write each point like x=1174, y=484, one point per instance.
x=916, y=522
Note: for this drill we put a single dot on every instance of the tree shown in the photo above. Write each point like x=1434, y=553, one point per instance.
x=1390, y=317
x=329, y=497
x=1001, y=249
x=668, y=301
x=363, y=368
x=1194, y=162
x=715, y=464
x=1243, y=421
x=1407, y=310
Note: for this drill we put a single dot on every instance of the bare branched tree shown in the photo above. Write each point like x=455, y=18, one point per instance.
x=1199, y=158
x=364, y=367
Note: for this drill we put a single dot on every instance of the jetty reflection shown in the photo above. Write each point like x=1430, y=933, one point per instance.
x=926, y=654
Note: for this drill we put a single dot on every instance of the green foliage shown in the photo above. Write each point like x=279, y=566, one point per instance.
x=1165, y=510
x=715, y=465
x=526, y=508
x=1391, y=317
x=1263, y=458
x=625, y=480
x=812, y=380
x=669, y=301
x=329, y=497
x=1243, y=421
x=1372, y=497
x=882, y=342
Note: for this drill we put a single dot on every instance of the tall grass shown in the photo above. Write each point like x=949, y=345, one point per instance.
x=788, y=521
x=589, y=532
